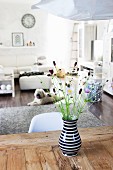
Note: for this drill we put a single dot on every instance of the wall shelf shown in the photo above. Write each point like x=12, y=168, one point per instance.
x=11, y=47
x=74, y=48
x=6, y=91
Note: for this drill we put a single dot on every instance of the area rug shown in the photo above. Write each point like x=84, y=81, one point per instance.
x=17, y=119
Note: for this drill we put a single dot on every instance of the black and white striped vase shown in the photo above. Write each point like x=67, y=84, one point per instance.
x=69, y=140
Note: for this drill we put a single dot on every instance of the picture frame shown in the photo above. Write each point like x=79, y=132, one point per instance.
x=17, y=39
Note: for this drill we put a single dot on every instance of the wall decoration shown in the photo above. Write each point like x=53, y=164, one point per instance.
x=28, y=21
x=17, y=39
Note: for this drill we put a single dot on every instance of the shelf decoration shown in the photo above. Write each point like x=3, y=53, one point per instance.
x=17, y=39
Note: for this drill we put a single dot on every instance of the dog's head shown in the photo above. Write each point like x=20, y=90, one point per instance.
x=39, y=93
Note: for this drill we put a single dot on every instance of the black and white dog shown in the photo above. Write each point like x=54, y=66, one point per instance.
x=41, y=98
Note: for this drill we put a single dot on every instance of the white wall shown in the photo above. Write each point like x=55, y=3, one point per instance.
x=102, y=29
x=59, y=41
x=52, y=37
x=10, y=21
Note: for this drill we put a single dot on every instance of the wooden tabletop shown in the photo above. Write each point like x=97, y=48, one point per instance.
x=40, y=151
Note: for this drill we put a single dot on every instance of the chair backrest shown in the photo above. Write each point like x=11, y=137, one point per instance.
x=46, y=122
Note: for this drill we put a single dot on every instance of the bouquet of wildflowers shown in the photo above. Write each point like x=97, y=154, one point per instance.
x=75, y=99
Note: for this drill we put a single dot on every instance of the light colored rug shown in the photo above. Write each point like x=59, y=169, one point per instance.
x=17, y=119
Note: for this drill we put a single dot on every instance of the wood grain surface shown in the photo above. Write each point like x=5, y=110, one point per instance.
x=40, y=151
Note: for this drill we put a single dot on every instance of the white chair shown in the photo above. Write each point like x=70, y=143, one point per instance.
x=46, y=122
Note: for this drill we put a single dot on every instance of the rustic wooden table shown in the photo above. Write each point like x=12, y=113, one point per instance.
x=40, y=151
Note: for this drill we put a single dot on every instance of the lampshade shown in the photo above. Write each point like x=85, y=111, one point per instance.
x=78, y=9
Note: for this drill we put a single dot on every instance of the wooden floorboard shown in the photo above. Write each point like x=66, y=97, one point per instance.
x=102, y=110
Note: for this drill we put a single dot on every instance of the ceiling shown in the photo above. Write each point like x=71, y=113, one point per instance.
x=20, y=1
x=77, y=10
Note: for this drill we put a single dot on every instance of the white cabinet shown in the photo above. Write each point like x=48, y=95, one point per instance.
x=87, y=34
x=7, y=83
x=108, y=62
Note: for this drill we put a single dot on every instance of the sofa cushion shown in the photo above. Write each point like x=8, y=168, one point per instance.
x=26, y=60
x=44, y=68
x=7, y=69
x=24, y=69
x=8, y=61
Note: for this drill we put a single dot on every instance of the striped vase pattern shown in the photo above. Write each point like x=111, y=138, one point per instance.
x=69, y=140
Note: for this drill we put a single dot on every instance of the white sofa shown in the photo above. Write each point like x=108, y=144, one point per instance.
x=21, y=63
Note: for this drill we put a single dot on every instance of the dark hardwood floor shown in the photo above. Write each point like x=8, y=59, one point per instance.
x=21, y=97
x=102, y=110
